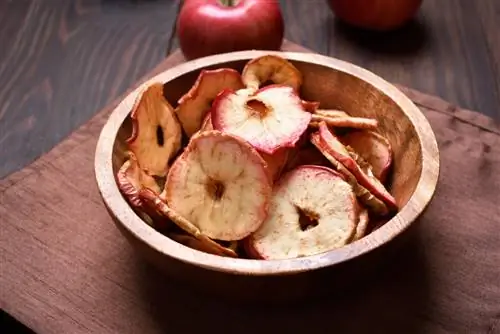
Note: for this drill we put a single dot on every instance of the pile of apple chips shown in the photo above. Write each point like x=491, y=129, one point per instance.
x=263, y=174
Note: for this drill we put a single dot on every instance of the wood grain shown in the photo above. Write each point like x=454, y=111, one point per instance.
x=62, y=60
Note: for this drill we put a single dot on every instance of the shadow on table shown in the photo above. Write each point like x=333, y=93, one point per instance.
x=391, y=302
x=408, y=40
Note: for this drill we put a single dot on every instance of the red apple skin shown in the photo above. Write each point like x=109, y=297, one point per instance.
x=207, y=27
x=380, y=15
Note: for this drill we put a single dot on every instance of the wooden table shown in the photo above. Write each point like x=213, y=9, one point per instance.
x=62, y=60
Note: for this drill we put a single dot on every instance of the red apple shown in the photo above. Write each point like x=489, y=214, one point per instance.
x=207, y=27
x=375, y=14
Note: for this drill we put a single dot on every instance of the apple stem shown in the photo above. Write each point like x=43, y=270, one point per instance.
x=229, y=3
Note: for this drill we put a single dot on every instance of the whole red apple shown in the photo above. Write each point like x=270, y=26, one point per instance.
x=379, y=15
x=207, y=27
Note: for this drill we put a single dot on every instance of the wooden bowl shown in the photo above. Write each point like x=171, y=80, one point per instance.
x=337, y=85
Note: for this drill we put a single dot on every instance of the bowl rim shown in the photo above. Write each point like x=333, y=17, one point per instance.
x=124, y=214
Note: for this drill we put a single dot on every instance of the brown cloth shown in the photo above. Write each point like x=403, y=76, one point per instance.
x=66, y=269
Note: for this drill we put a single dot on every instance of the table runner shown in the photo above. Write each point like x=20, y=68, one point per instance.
x=65, y=268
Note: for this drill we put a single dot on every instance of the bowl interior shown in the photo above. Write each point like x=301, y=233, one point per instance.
x=335, y=84
x=334, y=89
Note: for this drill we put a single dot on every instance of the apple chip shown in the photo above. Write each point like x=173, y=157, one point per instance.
x=156, y=133
x=331, y=113
x=372, y=147
x=154, y=200
x=220, y=183
x=366, y=197
x=207, y=123
x=196, y=103
x=271, y=68
x=362, y=226
x=270, y=119
x=192, y=242
x=312, y=210
x=344, y=121
x=331, y=145
x=131, y=178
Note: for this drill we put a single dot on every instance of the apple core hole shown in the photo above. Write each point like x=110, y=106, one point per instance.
x=215, y=189
x=307, y=219
x=159, y=136
x=257, y=108
x=229, y=3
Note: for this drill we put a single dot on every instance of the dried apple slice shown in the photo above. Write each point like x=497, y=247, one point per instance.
x=156, y=133
x=332, y=113
x=270, y=119
x=372, y=147
x=366, y=197
x=344, y=121
x=196, y=103
x=272, y=68
x=220, y=183
x=131, y=178
x=337, y=150
x=312, y=210
x=154, y=200
x=207, y=123
x=192, y=242
x=362, y=226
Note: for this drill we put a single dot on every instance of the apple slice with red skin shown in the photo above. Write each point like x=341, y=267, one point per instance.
x=331, y=145
x=131, y=179
x=275, y=162
x=372, y=147
x=339, y=151
x=377, y=206
x=162, y=208
x=270, y=119
x=221, y=184
x=206, y=125
x=197, y=102
x=312, y=210
x=271, y=68
x=156, y=132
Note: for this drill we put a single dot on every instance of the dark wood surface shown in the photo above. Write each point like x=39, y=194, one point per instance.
x=63, y=60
